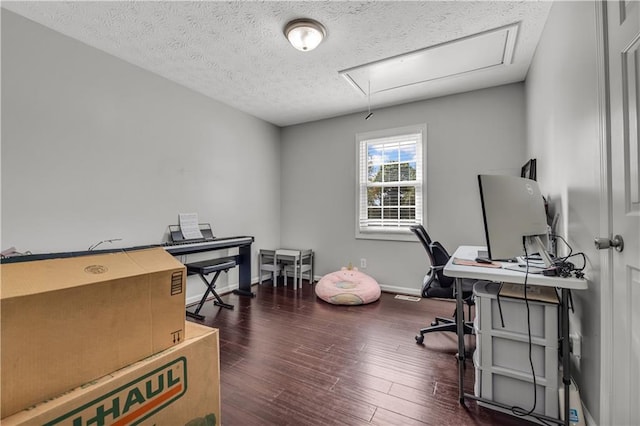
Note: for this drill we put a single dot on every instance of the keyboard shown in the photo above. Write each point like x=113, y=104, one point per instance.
x=184, y=247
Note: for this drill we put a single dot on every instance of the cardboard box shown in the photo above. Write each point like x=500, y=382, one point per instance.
x=64, y=322
x=178, y=386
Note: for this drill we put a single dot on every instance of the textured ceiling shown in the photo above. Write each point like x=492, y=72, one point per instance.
x=236, y=53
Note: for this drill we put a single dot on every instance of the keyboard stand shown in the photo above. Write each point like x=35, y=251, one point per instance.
x=206, y=267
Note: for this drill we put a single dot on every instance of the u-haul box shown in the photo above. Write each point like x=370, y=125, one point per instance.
x=178, y=386
x=66, y=321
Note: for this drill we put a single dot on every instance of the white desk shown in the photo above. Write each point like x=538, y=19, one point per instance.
x=507, y=275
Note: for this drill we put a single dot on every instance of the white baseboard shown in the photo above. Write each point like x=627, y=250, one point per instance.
x=400, y=290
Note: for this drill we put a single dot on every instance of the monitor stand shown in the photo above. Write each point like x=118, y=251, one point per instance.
x=535, y=241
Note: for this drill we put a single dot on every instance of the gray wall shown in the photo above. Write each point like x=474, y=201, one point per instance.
x=563, y=134
x=95, y=148
x=475, y=132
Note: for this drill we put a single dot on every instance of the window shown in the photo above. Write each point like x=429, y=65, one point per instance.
x=390, y=182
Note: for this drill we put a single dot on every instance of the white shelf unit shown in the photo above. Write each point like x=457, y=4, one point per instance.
x=503, y=370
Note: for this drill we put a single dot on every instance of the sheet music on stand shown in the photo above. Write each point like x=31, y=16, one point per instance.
x=177, y=237
x=189, y=226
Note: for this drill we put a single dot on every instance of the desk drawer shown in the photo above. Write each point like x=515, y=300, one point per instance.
x=517, y=391
x=499, y=352
x=543, y=317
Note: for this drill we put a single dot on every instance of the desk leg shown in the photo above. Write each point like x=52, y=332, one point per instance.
x=566, y=365
x=244, y=273
x=460, y=333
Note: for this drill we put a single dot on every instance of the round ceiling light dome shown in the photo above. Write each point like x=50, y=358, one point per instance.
x=305, y=34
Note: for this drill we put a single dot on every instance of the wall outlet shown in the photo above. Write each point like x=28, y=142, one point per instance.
x=363, y=263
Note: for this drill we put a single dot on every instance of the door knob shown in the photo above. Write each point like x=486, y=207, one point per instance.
x=605, y=243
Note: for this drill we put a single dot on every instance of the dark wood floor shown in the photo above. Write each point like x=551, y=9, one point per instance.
x=288, y=358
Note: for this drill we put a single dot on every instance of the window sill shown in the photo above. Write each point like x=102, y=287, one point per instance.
x=387, y=236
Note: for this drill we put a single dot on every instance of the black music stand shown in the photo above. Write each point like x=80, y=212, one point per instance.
x=175, y=234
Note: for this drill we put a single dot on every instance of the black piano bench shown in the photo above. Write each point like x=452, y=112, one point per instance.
x=206, y=267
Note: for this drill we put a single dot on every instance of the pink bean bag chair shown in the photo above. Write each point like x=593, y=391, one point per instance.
x=348, y=287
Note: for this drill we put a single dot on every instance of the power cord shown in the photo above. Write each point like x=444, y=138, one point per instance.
x=519, y=411
x=563, y=267
x=93, y=246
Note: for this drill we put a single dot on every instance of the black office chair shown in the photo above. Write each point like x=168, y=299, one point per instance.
x=438, y=285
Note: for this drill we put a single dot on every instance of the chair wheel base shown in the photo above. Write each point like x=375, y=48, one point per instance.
x=420, y=339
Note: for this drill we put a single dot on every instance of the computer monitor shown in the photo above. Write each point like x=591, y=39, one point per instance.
x=513, y=211
x=529, y=169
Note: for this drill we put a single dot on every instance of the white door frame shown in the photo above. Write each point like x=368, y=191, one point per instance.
x=606, y=226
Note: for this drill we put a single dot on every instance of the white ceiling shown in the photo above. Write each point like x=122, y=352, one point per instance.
x=236, y=53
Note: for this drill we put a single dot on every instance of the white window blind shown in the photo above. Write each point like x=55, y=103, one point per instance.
x=390, y=181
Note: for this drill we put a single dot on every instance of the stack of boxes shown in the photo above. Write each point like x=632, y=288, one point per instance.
x=501, y=359
x=102, y=339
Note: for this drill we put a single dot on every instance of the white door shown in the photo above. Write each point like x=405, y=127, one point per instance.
x=623, y=31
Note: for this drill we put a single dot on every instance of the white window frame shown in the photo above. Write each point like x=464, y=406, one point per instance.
x=385, y=230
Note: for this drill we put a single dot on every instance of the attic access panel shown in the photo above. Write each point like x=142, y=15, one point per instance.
x=476, y=52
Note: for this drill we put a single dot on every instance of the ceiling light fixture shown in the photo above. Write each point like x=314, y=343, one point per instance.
x=305, y=34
